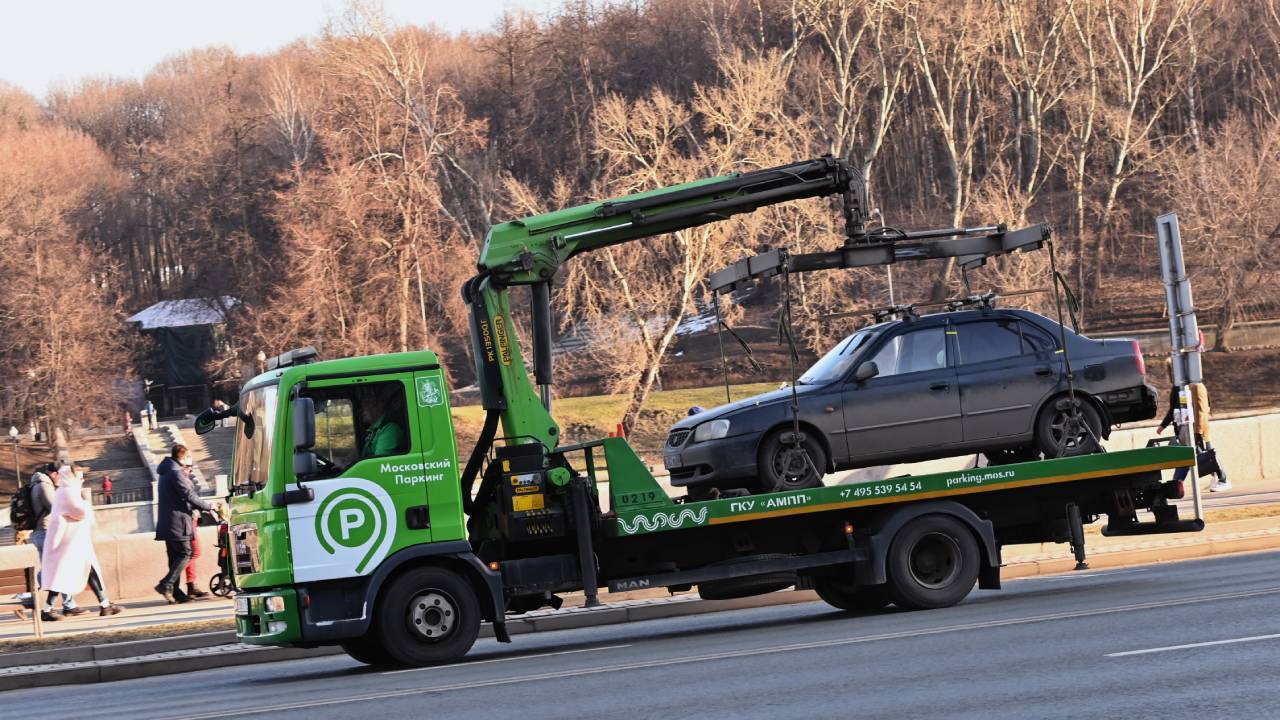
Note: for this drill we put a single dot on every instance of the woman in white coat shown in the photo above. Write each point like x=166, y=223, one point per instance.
x=69, y=559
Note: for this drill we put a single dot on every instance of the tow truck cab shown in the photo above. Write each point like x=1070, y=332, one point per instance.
x=338, y=466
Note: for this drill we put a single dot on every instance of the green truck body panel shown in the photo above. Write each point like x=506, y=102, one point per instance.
x=899, y=489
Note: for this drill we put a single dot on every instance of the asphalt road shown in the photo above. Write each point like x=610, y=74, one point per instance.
x=1194, y=639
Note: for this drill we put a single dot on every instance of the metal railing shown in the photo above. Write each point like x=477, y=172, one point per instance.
x=115, y=497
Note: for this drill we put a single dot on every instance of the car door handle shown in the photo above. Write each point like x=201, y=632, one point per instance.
x=940, y=386
x=829, y=409
x=1044, y=371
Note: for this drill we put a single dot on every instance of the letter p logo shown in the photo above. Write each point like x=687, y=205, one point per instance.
x=349, y=519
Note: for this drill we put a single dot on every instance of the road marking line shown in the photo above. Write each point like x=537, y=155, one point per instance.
x=644, y=664
x=1075, y=575
x=504, y=659
x=1193, y=645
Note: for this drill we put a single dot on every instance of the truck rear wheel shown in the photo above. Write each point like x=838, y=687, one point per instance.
x=933, y=563
x=428, y=616
x=846, y=596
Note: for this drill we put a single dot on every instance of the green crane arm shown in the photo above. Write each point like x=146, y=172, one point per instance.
x=530, y=250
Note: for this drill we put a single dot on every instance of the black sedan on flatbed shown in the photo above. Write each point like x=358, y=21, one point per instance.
x=988, y=381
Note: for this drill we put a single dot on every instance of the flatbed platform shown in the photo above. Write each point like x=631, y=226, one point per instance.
x=675, y=516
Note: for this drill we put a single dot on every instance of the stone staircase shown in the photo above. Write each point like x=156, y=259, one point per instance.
x=211, y=452
x=110, y=454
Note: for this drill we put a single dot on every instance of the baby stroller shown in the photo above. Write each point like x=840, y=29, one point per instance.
x=223, y=584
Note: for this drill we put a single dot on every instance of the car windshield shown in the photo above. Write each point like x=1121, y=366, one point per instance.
x=255, y=431
x=836, y=362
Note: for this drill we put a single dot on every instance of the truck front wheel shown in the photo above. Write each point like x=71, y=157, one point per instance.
x=933, y=563
x=428, y=616
x=368, y=651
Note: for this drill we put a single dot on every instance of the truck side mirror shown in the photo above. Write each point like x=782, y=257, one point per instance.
x=866, y=371
x=304, y=423
x=304, y=464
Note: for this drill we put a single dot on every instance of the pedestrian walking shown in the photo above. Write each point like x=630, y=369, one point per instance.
x=193, y=590
x=106, y=489
x=176, y=501
x=69, y=559
x=1200, y=402
x=151, y=414
x=43, y=490
x=128, y=422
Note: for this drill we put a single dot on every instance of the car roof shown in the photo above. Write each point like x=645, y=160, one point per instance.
x=955, y=316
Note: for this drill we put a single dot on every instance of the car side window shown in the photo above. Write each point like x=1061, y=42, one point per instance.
x=912, y=351
x=988, y=340
x=1035, y=340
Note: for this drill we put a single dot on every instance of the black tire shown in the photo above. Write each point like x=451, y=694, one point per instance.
x=1059, y=432
x=427, y=616
x=933, y=563
x=219, y=586
x=782, y=465
x=1011, y=456
x=844, y=595
x=368, y=651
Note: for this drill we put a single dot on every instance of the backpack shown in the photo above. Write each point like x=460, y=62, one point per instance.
x=22, y=512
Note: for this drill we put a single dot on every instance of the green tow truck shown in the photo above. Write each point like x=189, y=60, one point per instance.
x=353, y=522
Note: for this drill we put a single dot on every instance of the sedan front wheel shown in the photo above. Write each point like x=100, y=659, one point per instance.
x=789, y=462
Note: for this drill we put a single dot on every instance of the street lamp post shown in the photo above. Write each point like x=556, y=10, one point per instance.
x=17, y=467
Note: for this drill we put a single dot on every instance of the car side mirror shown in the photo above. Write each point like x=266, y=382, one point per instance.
x=866, y=371
x=304, y=423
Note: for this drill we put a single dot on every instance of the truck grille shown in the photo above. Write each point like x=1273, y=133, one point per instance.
x=677, y=438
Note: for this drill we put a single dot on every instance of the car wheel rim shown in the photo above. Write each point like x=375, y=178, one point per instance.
x=1068, y=431
x=792, y=465
x=934, y=560
x=432, y=615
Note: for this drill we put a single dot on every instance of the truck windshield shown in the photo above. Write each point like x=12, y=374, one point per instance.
x=254, y=437
x=836, y=362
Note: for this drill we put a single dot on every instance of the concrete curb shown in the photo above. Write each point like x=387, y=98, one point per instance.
x=108, y=663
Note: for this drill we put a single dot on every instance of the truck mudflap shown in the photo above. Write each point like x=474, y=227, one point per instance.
x=341, y=610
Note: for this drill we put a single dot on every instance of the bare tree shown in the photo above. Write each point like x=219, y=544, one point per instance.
x=951, y=59
x=1228, y=202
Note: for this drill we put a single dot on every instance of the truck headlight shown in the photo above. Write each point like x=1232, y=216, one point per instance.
x=713, y=430
x=274, y=604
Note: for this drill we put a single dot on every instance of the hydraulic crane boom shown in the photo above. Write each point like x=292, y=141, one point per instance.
x=530, y=250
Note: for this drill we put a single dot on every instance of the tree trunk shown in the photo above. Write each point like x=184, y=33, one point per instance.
x=1226, y=321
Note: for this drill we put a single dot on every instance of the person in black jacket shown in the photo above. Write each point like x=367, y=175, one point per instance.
x=176, y=501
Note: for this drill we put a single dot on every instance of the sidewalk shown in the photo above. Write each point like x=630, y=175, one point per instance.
x=137, y=614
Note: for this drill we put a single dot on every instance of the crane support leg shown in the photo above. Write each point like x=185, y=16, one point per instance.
x=1076, y=526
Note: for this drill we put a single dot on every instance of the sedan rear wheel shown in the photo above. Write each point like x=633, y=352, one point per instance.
x=791, y=463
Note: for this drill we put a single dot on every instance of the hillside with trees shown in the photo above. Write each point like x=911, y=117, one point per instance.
x=340, y=187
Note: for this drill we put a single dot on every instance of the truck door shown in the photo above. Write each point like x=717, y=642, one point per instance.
x=1002, y=377
x=439, y=457
x=913, y=402
x=368, y=487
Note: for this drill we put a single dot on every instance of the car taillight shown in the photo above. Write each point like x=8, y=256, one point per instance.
x=1137, y=355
